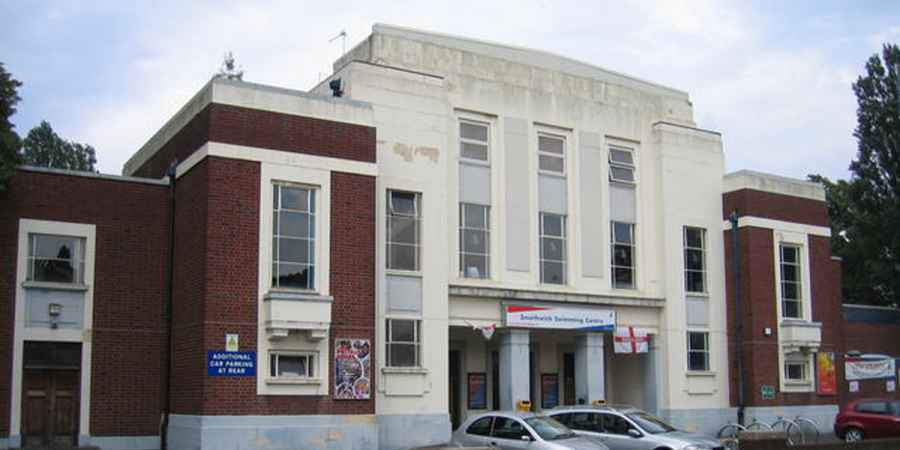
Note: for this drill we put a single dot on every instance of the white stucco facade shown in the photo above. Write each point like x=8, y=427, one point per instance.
x=421, y=85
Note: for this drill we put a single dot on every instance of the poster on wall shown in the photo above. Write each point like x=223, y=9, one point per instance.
x=826, y=376
x=351, y=369
x=891, y=385
x=477, y=384
x=549, y=390
x=869, y=368
x=854, y=386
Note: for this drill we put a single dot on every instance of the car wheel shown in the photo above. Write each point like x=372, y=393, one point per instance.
x=853, y=435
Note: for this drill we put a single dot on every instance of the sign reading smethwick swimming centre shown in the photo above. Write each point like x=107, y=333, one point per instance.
x=560, y=318
x=230, y=364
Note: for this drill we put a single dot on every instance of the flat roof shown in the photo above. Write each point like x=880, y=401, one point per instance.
x=776, y=184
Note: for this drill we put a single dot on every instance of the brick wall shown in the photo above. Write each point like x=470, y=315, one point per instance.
x=877, y=332
x=129, y=289
x=263, y=129
x=750, y=202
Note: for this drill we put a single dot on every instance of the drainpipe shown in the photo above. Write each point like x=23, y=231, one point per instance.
x=170, y=278
x=738, y=316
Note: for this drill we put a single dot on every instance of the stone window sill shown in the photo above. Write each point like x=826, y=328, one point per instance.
x=51, y=285
x=700, y=373
x=404, y=370
x=293, y=381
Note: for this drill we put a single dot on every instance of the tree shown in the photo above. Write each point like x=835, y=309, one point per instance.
x=9, y=140
x=44, y=148
x=865, y=211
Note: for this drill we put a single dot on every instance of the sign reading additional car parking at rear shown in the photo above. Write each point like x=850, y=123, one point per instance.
x=230, y=364
x=588, y=319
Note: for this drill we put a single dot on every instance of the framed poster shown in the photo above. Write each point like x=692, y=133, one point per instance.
x=351, y=369
x=826, y=377
x=549, y=390
x=477, y=385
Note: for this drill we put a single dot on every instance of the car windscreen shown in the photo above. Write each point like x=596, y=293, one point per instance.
x=650, y=424
x=549, y=429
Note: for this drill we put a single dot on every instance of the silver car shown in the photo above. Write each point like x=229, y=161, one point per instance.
x=627, y=428
x=511, y=430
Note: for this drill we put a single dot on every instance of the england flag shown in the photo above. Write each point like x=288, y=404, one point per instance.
x=631, y=340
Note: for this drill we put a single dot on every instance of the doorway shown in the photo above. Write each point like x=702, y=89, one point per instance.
x=454, y=383
x=568, y=378
x=50, y=394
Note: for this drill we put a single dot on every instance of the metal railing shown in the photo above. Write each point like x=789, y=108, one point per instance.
x=799, y=430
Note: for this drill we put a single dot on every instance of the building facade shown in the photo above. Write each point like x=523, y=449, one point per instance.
x=463, y=228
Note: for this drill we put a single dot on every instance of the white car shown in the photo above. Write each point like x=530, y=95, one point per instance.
x=512, y=430
x=627, y=428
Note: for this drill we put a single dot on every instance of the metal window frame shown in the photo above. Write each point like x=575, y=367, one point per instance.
x=804, y=369
x=487, y=143
x=77, y=260
x=562, y=156
x=417, y=230
x=311, y=228
x=705, y=351
x=621, y=165
x=702, y=250
x=798, y=282
x=565, y=248
x=311, y=357
x=487, y=239
x=417, y=340
x=612, y=250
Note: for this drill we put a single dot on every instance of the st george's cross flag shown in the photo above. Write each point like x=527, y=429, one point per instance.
x=631, y=340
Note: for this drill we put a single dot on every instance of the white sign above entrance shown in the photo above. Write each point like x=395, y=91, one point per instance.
x=560, y=318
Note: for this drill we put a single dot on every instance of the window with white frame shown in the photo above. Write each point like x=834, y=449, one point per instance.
x=404, y=217
x=553, y=248
x=55, y=259
x=694, y=260
x=292, y=364
x=473, y=141
x=474, y=240
x=796, y=370
x=621, y=164
x=623, y=247
x=698, y=351
x=791, y=283
x=293, y=236
x=551, y=154
x=403, y=339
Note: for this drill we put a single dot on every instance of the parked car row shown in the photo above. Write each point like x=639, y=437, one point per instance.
x=578, y=428
x=868, y=419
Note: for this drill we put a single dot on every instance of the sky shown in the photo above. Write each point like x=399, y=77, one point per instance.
x=773, y=77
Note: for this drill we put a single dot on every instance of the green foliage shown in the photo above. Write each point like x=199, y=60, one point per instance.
x=865, y=211
x=44, y=148
x=9, y=140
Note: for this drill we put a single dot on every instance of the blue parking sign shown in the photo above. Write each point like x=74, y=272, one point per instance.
x=230, y=364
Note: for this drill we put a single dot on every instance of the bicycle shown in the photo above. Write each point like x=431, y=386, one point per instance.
x=728, y=435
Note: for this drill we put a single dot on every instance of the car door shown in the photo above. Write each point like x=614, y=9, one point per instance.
x=478, y=433
x=507, y=434
x=615, y=432
x=876, y=418
x=584, y=423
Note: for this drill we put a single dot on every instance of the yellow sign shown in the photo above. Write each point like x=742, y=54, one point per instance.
x=523, y=405
x=231, y=343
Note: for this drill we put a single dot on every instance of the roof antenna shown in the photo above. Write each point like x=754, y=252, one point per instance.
x=343, y=36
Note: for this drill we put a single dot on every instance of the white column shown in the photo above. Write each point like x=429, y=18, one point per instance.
x=590, y=374
x=649, y=372
x=514, y=354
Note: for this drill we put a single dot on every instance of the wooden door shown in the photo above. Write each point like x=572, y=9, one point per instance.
x=50, y=408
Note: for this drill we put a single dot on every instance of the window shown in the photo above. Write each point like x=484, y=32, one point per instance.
x=507, y=428
x=55, y=259
x=621, y=165
x=622, y=246
x=553, y=248
x=694, y=260
x=474, y=240
x=791, y=286
x=403, y=230
x=294, y=237
x=796, y=370
x=473, y=141
x=292, y=365
x=698, y=351
x=551, y=154
x=582, y=421
x=403, y=340
x=877, y=407
x=614, y=424
x=481, y=427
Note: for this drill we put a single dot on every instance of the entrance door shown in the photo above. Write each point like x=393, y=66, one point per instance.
x=568, y=378
x=454, y=389
x=50, y=394
x=50, y=408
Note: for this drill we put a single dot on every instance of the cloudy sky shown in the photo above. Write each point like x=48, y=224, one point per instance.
x=773, y=77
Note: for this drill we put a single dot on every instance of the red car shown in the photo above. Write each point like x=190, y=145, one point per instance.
x=868, y=419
